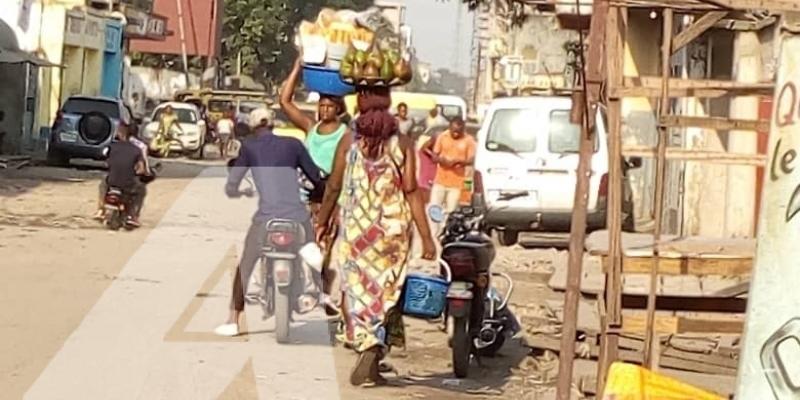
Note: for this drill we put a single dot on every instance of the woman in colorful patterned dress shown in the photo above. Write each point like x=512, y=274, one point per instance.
x=374, y=172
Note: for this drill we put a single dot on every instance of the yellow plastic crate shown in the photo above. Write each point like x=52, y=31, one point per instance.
x=631, y=382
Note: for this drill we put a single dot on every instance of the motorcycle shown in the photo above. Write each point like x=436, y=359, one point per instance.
x=481, y=319
x=117, y=203
x=283, y=274
x=282, y=278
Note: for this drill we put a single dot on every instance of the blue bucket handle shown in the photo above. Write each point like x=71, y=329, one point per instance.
x=447, y=269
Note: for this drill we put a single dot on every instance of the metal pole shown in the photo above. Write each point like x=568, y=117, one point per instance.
x=477, y=84
x=651, y=336
x=183, y=42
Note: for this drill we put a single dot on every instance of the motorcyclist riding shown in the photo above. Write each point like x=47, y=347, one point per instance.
x=127, y=165
x=274, y=161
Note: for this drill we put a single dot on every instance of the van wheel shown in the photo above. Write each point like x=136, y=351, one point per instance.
x=507, y=237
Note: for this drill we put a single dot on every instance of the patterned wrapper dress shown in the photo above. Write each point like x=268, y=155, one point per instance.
x=373, y=247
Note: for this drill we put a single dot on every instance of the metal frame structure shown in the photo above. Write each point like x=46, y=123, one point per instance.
x=604, y=82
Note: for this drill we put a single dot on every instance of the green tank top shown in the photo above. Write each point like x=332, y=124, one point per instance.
x=323, y=147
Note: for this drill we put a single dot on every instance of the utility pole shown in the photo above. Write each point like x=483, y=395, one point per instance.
x=179, y=4
x=477, y=84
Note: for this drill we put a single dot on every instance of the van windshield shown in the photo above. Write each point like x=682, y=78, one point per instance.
x=513, y=130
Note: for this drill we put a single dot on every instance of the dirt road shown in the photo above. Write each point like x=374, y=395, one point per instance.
x=95, y=314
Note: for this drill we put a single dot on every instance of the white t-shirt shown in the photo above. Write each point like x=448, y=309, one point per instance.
x=225, y=126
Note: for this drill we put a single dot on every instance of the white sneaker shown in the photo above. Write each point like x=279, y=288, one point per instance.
x=228, y=330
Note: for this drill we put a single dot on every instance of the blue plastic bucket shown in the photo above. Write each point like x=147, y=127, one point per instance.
x=424, y=296
x=325, y=81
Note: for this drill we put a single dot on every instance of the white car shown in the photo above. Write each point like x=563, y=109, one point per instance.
x=452, y=106
x=193, y=126
x=527, y=146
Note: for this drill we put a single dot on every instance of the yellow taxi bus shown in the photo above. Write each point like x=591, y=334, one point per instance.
x=218, y=102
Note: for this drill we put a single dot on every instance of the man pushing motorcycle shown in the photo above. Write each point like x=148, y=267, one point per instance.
x=273, y=161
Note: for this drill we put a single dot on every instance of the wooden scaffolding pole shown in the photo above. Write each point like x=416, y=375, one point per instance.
x=611, y=318
x=651, y=341
x=584, y=109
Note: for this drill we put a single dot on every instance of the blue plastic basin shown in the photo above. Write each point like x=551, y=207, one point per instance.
x=325, y=81
x=425, y=296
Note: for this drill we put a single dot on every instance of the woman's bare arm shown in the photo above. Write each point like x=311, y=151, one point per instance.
x=335, y=182
x=295, y=115
x=413, y=195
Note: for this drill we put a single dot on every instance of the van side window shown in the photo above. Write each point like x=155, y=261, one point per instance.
x=564, y=136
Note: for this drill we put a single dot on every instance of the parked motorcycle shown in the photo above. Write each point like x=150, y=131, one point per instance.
x=482, y=321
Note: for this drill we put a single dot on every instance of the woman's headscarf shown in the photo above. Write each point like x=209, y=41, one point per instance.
x=375, y=124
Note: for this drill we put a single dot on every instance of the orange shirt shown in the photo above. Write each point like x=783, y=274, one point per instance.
x=462, y=150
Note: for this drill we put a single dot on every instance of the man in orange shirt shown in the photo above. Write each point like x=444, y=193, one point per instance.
x=453, y=152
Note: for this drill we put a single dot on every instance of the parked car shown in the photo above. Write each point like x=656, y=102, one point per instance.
x=528, y=144
x=83, y=128
x=192, y=140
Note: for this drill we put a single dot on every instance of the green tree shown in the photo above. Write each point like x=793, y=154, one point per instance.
x=262, y=32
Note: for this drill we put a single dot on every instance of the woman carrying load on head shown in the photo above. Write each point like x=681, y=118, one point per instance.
x=374, y=181
x=322, y=138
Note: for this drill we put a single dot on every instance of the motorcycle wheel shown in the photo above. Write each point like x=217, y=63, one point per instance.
x=462, y=346
x=491, y=350
x=115, y=220
x=283, y=312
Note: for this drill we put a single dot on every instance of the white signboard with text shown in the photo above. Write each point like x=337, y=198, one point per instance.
x=770, y=361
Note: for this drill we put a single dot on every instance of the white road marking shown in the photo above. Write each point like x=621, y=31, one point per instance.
x=119, y=352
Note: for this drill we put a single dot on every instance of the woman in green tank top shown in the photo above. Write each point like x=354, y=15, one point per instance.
x=322, y=134
x=322, y=139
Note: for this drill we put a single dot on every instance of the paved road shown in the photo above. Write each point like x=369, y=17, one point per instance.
x=129, y=315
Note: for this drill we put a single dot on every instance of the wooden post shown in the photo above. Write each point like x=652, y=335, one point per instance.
x=611, y=319
x=666, y=51
x=593, y=71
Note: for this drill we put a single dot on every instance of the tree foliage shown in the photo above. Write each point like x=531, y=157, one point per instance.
x=262, y=32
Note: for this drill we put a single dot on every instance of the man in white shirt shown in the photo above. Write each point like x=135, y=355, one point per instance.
x=435, y=119
x=225, y=130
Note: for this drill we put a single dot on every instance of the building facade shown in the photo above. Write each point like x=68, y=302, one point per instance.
x=84, y=45
x=21, y=59
x=113, y=55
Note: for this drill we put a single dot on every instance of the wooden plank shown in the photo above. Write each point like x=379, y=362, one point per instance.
x=726, y=266
x=715, y=157
x=715, y=123
x=650, y=86
x=553, y=344
x=696, y=29
x=694, y=304
x=771, y=5
x=735, y=291
x=641, y=265
x=720, y=266
x=637, y=324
